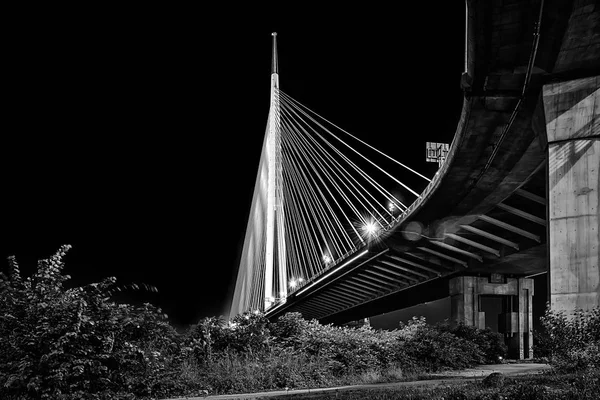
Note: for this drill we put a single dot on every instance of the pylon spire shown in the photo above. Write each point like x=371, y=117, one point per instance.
x=274, y=64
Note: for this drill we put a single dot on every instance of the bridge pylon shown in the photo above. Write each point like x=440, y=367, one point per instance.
x=262, y=272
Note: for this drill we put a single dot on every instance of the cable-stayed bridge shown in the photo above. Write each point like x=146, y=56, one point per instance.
x=336, y=234
x=317, y=201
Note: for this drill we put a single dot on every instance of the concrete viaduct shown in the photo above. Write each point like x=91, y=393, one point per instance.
x=517, y=196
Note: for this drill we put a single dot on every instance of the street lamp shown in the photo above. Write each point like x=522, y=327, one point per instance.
x=370, y=228
x=391, y=208
x=295, y=282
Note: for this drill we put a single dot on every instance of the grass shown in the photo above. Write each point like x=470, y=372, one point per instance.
x=547, y=386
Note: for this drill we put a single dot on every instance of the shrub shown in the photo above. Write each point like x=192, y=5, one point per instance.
x=490, y=343
x=288, y=329
x=431, y=349
x=64, y=343
x=57, y=342
x=345, y=350
x=541, y=344
x=574, y=340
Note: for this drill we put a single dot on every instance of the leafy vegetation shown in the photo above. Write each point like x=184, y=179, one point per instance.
x=67, y=343
x=572, y=342
x=57, y=342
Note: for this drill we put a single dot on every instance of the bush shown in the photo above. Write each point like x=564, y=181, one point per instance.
x=58, y=342
x=62, y=343
x=288, y=329
x=430, y=348
x=573, y=341
x=490, y=343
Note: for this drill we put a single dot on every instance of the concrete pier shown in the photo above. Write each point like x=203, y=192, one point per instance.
x=572, y=118
x=516, y=319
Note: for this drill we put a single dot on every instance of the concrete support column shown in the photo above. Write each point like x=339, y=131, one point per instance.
x=525, y=293
x=572, y=122
x=464, y=302
x=516, y=321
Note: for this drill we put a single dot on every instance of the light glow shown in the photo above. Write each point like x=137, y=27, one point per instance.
x=332, y=271
x=370, y=228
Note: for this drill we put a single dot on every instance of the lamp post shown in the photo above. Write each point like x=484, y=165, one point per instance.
x=391, y=208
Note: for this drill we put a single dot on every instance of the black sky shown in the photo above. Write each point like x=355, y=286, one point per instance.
x=134, y=135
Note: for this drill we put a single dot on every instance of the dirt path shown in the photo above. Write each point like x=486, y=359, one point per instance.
x=437, y=379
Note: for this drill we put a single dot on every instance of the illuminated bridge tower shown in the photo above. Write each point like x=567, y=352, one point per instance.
x=262, y=276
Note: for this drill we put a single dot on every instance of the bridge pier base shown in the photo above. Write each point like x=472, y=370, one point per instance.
x=515, y=321
x=571, y=117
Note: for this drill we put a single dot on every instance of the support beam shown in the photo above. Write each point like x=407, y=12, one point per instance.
x=359, y=292
x=351, y=285
x=372, y=278
x=384, y=279
x=320, y=308
x=416, y=265
x=474, y=244
x=338, y=306
x=385, y=276
x=334, y=299
x=412, y=278
x=429, y=259
x=345, y=302
x=323, y=307
x=531, y=196
x=510, y=228
x=522, y=214
x=388, y=271
x=306, y=309
x=342, y=299
x=353, y=295
x=490, y=236
x=317, y=314
x=442, y=255
x=457, y=250
x=368, y=283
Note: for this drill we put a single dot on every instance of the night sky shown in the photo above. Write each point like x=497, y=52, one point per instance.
x=135, y=135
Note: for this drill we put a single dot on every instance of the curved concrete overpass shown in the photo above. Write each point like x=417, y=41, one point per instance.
x=486, y=210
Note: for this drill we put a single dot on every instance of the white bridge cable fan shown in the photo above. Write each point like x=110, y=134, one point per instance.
x=322, y=193
x=337, y=197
